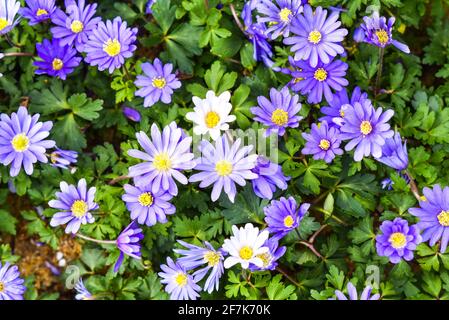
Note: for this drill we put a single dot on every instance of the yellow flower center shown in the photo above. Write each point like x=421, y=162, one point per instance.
x=398, y=240
x=288, y=221
x=423, y=198
x=320, y=74
x=77, y=26
x=54, y=157
x=159, y=82
x=3, y=23
x=181, y=279
x=212, y=118
x=443, y=218
x=296, y=80
x=79, y=208
x=284, y=15
x=57, y=64
x=365, y=127
x=342, y=113
x=266, y=258
x=112, y=47
x=41, y=12
x=223, y=168
x=20, y=142
x=145, y=199
x=162, y=162
x=212, y=258
x=279, y=117
x=246, y=253
x=382, y=36
x=314, y=37
x=324, y=144
x=2, y=286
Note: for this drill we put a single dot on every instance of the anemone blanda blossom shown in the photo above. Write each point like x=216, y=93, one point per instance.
x=132, y=114
x=8, y=12
x=11, y=285
x=394, y=153
x=206, y=257
x=179, y=284
x=367, y=129
x=75, y=24
x=165, y=156
x=317, y=38
x=157, y=83
x=148, y=6
x=245, y=247
x=283, y=216
x=76, y=204
x=63, y=158
x=146, y=206
x=338, y=106
x=128, y=242
x=398, y=240
x=38, y=10
x=319, y=80
x=278, y=16
x=270, y=177
x=278, y=113
x=353, y=295
x=255, y=32
x=379, y=32
x=224, y=165
x=323, y=142
x=81, y=292
x=270, y=257
x=433, y=215
x=211, y=115
x=22, y=141
x=109, y=44
x=56, y=60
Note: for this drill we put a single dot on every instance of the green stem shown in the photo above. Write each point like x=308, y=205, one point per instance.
x=287, y=276
x=413, y=186
x=379, y=71
x=95, y=240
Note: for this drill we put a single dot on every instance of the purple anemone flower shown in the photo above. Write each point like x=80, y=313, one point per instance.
x=74, y=26
x=76, y=204
x=433, y=215
x=206, y=257
x=128, y=243
x=379, y=32
x=81, y=292
x=256, y=33
x=279, y=112
x=317, y=38
x=148, y=6
x=131, y=114
x=224, y=165
x=394, y=153
x=323, y=142
x=270, y=177
x=283, y=216
x=179, y=284
x=278, y=16
x=11, y=285
x=57, y=60
x=63, y=158
x=165, y=156
x=338, y=106
x=110, y=44
x=367, y=129
x=398, y=240
x=270, y=257
x=157, y=84
x=319, y=80
x=22, y=141
x=148, y=207
x=353, y=295
x=8, y=12
x=38, y=10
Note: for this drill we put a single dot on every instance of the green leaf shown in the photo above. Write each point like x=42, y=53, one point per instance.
x=84, y=107
x=7, y=222
x=67, y=133
x=276, y=290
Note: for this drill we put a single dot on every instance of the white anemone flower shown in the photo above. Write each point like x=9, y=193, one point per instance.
x=245, y=246
x=211, y=115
